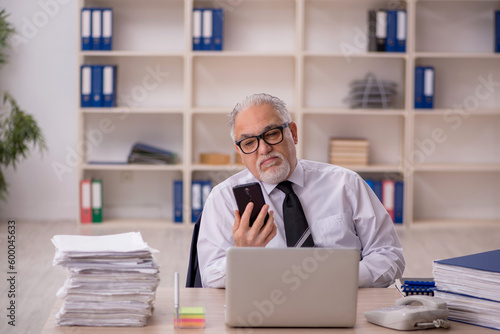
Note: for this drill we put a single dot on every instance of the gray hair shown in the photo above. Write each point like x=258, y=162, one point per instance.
x=257, y=100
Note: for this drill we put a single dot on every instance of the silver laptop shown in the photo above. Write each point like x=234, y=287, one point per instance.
x=291, y=287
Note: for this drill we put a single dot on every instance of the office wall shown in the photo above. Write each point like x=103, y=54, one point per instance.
x=41, y=74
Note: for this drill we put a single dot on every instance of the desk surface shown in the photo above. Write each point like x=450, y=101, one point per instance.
x=214, y=299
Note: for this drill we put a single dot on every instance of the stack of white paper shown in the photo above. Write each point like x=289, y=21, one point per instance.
x=111, y=281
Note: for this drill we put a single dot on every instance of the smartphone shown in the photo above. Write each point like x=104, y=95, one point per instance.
x=250, y=192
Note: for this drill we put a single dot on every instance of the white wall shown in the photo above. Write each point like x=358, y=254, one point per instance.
x=42, y=75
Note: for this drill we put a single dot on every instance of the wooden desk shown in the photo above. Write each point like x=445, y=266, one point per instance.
x=214, y=299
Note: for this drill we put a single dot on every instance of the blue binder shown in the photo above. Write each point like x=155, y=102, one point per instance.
x=207, y=29
x=178, y=200
x=86, y=28
x=218, y=29
x=96, y=85
x=107, y=29
x=109, y=86
x=376, y=187
x=86, y=86
x=197, y=13
x=419, y=87
x=196, y=200
x=390, y=43
x=428, y=87
x=398, y=202
x=497, y=31
x=96, y=29
x=401, y=31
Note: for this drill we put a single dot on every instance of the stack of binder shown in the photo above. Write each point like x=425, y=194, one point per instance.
x=349, y=152
x=147, y=154
x=391, y=195
x=111, y=280
x=98, y=86
x=208, y=29
x=91, y=201
x=96, y=29
x=470, y=285
x=372, y=92
x=387, y=30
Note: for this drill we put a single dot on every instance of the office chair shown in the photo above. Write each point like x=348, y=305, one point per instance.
x=193, y=279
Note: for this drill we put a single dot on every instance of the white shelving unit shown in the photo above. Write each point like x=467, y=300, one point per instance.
x=305, y=52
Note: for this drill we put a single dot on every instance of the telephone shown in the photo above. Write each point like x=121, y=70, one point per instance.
x=431, y=313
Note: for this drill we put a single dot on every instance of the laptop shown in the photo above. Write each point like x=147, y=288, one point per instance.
x=291, y=287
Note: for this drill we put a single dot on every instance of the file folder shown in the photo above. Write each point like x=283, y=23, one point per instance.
x=197, y=29
x=390, y=44
x=86, y=86
x=401, y=31
x=109, y=86
x=429, y=87
x=85, y=201
x=381, y=30
x=96, y=201
x=107, y=29
x=372, y=28
x=178, y=200
x=85, y=28
x=96, y=28
x=497, y=31
x=388, y=197
x=196, y=200
x=207, y=29
x=398, y=202
x=96, y=85
x=419, y=87
x=217, y=29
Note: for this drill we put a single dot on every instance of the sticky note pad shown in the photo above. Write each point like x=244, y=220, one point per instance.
x=191, y=317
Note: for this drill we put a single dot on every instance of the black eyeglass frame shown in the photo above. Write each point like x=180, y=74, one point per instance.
x=261, y=136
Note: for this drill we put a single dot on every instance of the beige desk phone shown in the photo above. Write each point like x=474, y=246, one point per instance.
x=431, y=312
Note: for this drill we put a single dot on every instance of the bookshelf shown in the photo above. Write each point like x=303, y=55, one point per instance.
x=305, y=52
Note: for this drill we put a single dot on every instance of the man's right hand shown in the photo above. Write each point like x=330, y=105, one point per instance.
x=256, y=235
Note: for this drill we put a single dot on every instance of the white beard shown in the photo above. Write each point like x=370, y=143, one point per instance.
x=277, y=173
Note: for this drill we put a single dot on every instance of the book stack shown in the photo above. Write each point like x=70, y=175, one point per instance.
x=111, y=280
x=470, y=285
x=349, y=152
x=371, y=93
x=147, y=154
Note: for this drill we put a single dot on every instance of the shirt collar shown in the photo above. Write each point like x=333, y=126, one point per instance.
x=297, y=177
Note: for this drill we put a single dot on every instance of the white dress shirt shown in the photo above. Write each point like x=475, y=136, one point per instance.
x=341, y=209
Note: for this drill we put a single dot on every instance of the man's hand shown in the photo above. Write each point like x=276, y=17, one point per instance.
x=257, y=236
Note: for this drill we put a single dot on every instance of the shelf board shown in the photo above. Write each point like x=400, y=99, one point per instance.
x=376, y=168
x=453, y=223
x=134, y=223
x=458, y=168
x=347, y=111
x=232, y=167
x=123, y=53
x=444, y=111
x=207, y=54
x=127, y=110
x=132, y=167
x=457, y=55
x=396, y=55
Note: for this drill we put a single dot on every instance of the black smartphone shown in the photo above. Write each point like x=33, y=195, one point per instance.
x=246, y=193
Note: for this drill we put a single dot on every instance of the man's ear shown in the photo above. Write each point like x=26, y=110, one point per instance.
x=293, y=130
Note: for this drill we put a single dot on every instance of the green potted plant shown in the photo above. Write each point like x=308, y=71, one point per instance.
x=19, y=131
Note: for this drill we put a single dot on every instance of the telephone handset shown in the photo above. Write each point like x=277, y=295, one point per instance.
x=405, y=315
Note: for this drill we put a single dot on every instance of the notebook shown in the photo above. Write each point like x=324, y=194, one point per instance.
x=291, y=287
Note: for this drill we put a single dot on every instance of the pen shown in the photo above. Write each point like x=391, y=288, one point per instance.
x=176, y=297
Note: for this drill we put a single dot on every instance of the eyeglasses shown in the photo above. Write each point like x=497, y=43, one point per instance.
x=272, y=137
